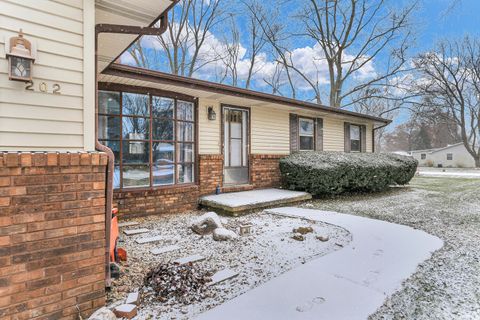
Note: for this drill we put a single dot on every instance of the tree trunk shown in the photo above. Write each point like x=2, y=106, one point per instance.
x=477, y=161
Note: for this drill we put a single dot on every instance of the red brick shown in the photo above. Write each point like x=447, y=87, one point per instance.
x=4, y=181
x=52, y=159
x=4, y=201
x=39, y=159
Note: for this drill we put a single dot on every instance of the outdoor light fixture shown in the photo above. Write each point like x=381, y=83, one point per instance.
x=211, y=114
x=20, y=58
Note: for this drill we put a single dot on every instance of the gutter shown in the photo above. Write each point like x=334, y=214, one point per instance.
x=117, y=29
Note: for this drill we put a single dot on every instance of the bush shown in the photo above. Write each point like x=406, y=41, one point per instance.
x=322, y=173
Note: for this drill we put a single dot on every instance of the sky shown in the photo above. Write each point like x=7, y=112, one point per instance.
x=433, y=21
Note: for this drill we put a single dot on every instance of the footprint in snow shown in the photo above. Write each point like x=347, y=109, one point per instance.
x=310, y=304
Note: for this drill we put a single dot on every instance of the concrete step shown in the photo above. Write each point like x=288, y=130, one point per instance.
x=237, y=203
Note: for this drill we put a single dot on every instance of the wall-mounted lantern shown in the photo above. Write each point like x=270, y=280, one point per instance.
x=211, y=114
x=20, y=57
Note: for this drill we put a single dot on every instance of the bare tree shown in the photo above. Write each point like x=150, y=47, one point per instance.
x=449, y=79
x=274, y=81
x=351, y=34
x=230, y=54
x=274, y=33
x=189, y=26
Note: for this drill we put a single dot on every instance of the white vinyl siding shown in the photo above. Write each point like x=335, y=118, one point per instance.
x=39, y=121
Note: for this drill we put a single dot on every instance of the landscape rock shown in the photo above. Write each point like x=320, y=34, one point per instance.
x=103, y=314
x=222, y=234
x=206, y=223
x=322, y=238
x=298, y=237
x=125, y=311
x=303, y=230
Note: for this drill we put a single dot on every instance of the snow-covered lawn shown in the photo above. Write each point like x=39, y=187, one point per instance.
x=449, y=172
x=447, y=286
x=266, y=253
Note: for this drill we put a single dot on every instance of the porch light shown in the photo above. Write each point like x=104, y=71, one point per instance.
x=20, y=58
x=211, y=114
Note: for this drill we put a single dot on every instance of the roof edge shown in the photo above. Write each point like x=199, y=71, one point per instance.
x=122, y=70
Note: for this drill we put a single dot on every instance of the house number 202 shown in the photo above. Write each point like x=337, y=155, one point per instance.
x=43, y=87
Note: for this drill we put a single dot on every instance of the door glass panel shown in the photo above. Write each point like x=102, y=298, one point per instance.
x=236, y=153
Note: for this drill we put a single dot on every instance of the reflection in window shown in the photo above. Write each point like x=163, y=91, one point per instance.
x=306, y=134
x=152, y=138
x=355, y=141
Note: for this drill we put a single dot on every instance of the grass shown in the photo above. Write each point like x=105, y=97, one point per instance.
x=448, y=285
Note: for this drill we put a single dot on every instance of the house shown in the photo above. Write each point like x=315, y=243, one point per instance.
x=454, y=155
x=85, y=134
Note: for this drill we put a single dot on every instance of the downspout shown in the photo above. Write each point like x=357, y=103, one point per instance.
x=373, y=134
x=109, y=28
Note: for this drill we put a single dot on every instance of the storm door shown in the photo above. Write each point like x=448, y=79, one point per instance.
x=235, y=145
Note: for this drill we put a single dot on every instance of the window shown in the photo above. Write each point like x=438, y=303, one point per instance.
x=306, y=134
x=449, y=156
x=152, y=137
x=355, y=140
x=423, y=156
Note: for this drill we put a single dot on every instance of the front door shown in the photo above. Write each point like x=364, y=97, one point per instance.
x=235, y=145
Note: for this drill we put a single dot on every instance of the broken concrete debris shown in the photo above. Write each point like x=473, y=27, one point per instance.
x=166, y=249
x=206, y=223
x=133, y=298
x=223, y=275
x=245, y=229
x=222, y=234
x=125, y=311
x=131, y=232
x=189, y=259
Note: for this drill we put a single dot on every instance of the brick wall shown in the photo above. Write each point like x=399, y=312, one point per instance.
x=52, y=234
x=210, y=172
x=163, y=200
x=264, y=170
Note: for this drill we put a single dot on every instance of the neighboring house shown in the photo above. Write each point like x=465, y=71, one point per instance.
x=451, y=156
x=173, y=140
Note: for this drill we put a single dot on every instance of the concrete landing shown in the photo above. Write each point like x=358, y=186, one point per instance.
x=236, y=203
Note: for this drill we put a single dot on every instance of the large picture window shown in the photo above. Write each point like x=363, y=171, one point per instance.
x=152, y=137
x=306, y=134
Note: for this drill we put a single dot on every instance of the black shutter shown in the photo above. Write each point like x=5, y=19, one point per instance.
x=347, y=142
x=363, y=138
x=319, y=135
x=293, y=133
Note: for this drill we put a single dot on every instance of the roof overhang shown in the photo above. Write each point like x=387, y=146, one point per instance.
x=134, y=76
x=139, y=13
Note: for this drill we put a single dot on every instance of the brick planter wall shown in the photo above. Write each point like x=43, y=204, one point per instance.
x=265, y=171
x=52, y=234
x=176, y=199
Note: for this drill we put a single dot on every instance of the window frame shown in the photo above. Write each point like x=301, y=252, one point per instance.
x=151, y=93
x=314, y=133
x=359, y=137
x=451, y=156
